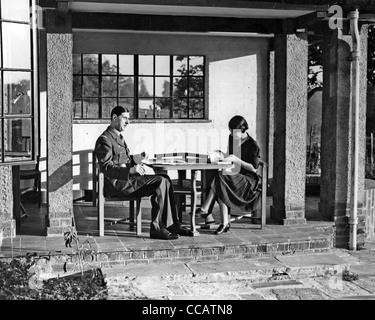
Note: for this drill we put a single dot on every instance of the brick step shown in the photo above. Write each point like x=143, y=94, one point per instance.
x=63, y=264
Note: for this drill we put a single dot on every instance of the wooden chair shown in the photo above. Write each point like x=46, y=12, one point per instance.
x=99, y=199
x=32, y=174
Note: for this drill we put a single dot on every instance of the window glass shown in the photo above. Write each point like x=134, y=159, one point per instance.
x=163, y=108
x=126, y=64
x=109, y=86
x=196, y=108
x=146, y=65
x=146, y=109
x=146, y=87
x=17, y=138
x=17, y=10
x=107, y=105
x=162, y=87
x=76, y=63
x=179, y=65
x=77, y=108
x=196, y=87
x=196, y=66
x=180, y=86
x=126, y=86
x=91, y=108
x=146, y=91
x=90, y=86
x=162, y=65
x=90, y=64
x=128, y=103
x=16, y=45
x=180, y=108
x=17, y=93
x=77, y=87
x=109, y=64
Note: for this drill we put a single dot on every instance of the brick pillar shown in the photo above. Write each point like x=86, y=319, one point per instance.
x=290, y=113
x=338, y=131
x=7, y=223
x=59, y=123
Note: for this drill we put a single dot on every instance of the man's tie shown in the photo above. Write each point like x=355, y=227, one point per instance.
x=121, y=137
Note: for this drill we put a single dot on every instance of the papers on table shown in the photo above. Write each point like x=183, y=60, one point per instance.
x=216, y=156
x=148, y=170
x=164, y=161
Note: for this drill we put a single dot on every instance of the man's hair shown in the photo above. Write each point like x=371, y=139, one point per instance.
x=118, y=110
x=238, y=122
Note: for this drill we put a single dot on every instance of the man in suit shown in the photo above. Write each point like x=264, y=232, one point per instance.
x=122, y=175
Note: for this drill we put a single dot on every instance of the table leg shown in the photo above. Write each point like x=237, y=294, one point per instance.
x=193, y=202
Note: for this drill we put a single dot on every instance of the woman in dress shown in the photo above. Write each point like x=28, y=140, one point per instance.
x=238, y=188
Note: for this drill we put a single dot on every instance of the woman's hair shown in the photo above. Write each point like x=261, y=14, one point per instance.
x=118, y=110
x=238, y=122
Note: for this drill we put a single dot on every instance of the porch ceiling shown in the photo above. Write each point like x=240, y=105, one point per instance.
x=212, y=8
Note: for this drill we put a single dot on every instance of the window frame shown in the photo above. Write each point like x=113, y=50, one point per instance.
x=136, y=97
x=32, y=115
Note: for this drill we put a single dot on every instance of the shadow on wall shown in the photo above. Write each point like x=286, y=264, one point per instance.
x=60, y=177
x=82, y=169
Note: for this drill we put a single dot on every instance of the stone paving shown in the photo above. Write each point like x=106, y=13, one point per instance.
x=314, y=276
x=276, y=263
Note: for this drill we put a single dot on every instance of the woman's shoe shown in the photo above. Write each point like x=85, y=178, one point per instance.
x=202, y=213
x=222, y=228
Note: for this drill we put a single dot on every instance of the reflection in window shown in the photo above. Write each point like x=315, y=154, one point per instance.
x=18, y=136
x=150, y=86
x=17, y=93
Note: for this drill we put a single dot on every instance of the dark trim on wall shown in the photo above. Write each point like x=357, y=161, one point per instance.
x=112, y=21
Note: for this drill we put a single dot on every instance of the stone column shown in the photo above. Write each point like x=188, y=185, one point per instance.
x=7, y=223
x=271, y=111
x=338, y=131
x=290, y=114
x=59, y=123
x=361, y=212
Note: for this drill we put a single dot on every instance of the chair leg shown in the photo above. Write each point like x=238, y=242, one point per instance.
x=39, y=190
x=131, y=216
x=101, y=217
x=139, y=217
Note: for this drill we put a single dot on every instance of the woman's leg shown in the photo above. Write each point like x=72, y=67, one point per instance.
x=223, y=212
x=207, y=203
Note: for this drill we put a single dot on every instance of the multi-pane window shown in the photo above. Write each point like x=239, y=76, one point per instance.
x=16, y=76
x=150, y=86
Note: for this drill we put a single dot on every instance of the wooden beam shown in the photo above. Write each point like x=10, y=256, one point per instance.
x=248, y=4
x=113, y=21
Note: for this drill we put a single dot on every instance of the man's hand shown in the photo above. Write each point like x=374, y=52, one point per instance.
x=138, y=169
x=139, y=157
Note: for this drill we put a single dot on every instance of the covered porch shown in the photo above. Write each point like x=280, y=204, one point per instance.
x=120, y=246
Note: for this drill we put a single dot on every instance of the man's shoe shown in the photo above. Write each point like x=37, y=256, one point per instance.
x=163, y=235
x=180, y=230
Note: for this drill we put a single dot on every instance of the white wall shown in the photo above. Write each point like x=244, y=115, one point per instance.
x=236, y=83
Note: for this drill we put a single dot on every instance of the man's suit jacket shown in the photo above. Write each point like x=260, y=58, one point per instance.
x=115, y=162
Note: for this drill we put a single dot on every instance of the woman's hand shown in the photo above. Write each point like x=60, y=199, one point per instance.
x=233, y=158
x=137, y=169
